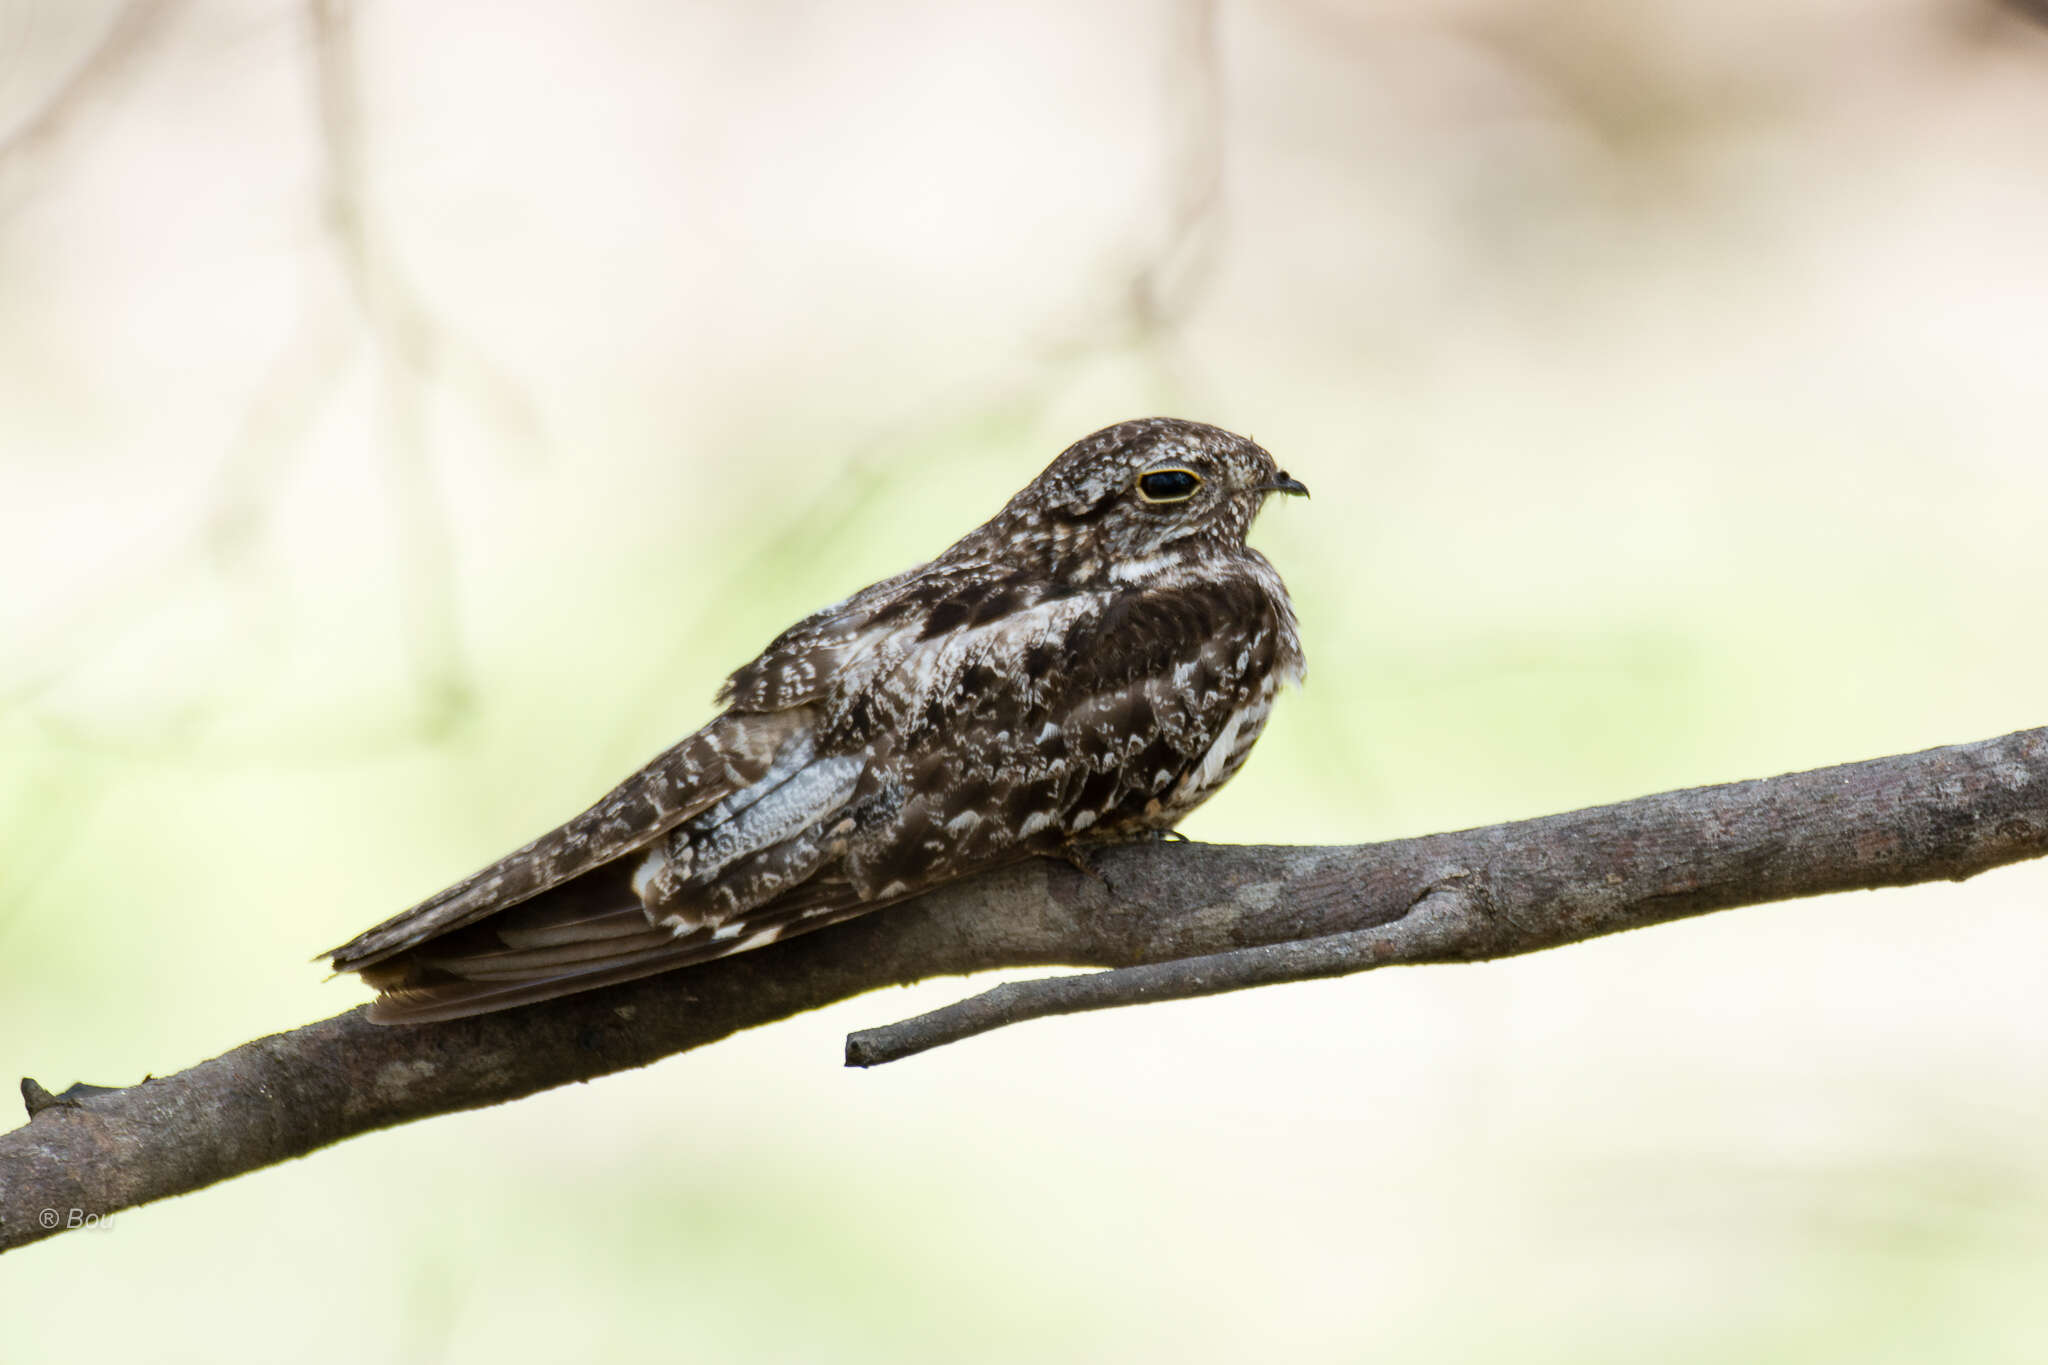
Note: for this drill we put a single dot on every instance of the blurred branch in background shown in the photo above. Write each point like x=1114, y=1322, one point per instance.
x=408, y=345
x=133, y=29
x=414, y=349
x=1169, y=920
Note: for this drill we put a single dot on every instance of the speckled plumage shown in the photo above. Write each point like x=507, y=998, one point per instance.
x=1090, y=664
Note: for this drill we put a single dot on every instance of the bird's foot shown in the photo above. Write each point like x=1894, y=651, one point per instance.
x=1081, y=858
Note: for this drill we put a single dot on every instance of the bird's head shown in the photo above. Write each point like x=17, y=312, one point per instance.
x=1139, y=490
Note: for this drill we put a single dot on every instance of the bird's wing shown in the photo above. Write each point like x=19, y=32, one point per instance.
x=730, y=753
x=769, y=704
x=938, y=753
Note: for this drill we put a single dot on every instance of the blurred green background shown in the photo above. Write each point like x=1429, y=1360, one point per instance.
x=409, y=413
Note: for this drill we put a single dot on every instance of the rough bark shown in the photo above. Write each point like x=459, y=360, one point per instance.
x=1172, y=920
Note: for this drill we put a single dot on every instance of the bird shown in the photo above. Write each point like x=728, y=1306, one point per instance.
x=1084, y=668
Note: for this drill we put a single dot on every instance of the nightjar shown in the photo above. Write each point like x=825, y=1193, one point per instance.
x=1089, y=665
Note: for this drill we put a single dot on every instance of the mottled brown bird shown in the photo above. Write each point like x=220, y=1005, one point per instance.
x=1089, y=665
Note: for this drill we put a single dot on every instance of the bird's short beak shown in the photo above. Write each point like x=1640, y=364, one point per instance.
x=1283, y=484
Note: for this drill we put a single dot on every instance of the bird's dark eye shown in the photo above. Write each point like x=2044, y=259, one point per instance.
x=1169, y=485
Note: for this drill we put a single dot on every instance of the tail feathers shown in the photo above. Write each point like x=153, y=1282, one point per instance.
x=534, y=931
x=616, y=934
x=456, y=998
x=502, y=962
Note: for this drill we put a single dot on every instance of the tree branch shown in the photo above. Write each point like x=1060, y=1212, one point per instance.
x=1173, y=920
x=1434, y=930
